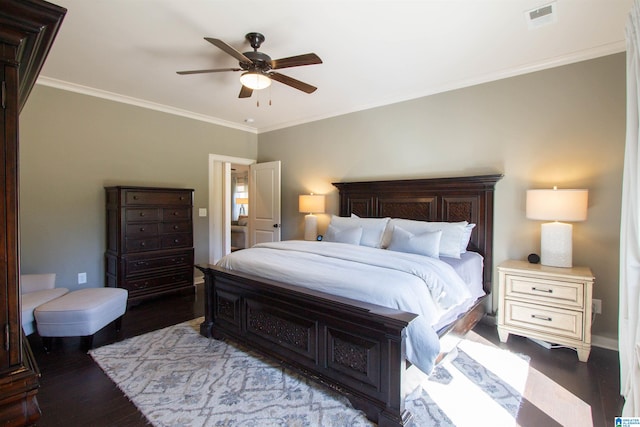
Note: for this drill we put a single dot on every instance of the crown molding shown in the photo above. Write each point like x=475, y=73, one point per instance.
x=98, y=93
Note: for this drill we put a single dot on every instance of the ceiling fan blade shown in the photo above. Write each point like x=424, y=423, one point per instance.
x=245, y=92
x=228, y=49
x=290, y=81
x=215, y=70
x=296, y=61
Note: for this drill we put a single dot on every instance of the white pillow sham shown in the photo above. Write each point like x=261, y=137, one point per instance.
x=427, y=243
x=372, y=228
x=351, y=235
x=453, y=233
x=466, y=237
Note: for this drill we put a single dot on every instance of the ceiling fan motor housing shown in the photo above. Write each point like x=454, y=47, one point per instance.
x=259, y=61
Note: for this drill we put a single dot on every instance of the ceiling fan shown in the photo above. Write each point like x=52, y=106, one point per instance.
x=258, y=67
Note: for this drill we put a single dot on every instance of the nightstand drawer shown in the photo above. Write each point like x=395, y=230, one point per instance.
x=547, y=320
x=554, y=292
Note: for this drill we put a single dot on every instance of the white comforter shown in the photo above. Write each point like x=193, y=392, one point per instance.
x=425, y=286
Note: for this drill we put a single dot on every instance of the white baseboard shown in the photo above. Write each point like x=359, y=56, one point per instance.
x=604, y=342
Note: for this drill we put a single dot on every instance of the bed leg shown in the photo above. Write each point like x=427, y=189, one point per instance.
x=206, y=329
x=392, y=420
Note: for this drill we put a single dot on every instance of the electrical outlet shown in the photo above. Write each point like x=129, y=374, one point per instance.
x=597, y=306
x=82, y=278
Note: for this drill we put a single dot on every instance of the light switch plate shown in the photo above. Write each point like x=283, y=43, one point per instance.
x=202, y=212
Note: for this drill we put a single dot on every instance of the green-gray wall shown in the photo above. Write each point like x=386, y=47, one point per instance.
x=564, y=126
x=72, y=145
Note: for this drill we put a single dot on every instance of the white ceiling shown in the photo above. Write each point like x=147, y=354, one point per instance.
x=374, y=52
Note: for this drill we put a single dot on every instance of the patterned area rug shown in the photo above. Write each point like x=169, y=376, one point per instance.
x=177, y=377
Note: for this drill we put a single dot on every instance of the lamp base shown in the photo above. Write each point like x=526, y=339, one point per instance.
x=555, y=244
x=310, y=227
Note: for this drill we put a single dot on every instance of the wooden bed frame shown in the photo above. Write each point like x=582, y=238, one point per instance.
x=353, y=347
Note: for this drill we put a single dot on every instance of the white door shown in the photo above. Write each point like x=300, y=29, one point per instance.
x=264, y=202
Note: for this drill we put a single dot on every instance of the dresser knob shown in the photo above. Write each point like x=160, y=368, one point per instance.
x=142, y=244
x=176, y=241
x=175, y=227
x=175, y=214
x=141, y=213
x=141, y=228
x=135, y=197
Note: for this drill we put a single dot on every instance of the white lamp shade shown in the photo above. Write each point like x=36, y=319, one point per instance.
x=557, y=205
x=311, y=203
x=555, y=238
x=255, y=80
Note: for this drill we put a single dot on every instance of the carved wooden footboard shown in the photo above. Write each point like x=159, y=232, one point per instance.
x=351, y=346
x=354, y=347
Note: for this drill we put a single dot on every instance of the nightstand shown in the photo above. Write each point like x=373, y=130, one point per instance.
x=546, y=303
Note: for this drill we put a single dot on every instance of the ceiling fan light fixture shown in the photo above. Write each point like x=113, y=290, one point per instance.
x=255, y=80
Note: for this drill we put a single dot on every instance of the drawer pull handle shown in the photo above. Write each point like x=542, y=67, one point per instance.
x=176, y=214
x=141, y=263
x=142, y=244
x=135, y=197
x=141, y=228
x=175, y=227
x=549, y=291
x=176, y=241
x=141, y=213
x=545, y=318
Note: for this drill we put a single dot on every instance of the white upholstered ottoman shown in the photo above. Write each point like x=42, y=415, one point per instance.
x=81, y=313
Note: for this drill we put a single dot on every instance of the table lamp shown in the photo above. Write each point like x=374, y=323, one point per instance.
x=242, y=201
x=310, y=204
x=555, y=237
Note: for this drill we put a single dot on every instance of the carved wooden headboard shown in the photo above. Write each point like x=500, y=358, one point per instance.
x=467, y=198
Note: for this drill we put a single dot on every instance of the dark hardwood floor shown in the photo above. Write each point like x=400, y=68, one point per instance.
x=75, y=392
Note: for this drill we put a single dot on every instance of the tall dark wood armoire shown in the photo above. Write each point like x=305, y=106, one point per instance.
x=27, y=30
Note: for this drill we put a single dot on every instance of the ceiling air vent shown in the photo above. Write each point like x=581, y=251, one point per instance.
x=540, y=16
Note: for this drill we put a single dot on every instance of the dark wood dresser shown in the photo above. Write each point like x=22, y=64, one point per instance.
x=149, y=240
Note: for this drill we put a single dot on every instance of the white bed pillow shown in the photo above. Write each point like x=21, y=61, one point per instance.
x=351, y=235
x=452, y=233
x=427, y=243
x=372, y=228
x=466, y=237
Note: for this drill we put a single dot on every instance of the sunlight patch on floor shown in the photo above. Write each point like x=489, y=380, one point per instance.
x=556, y=401
x=540, y=390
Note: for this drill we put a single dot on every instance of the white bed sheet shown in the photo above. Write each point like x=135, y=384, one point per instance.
x=470, y=268
x=425, y=286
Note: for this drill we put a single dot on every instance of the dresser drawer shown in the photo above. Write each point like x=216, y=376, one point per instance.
x=547, y=320
x=184, y=277
x=176, y=227
x=171, y=214
x=170, y=241
x=140, y=245
x=135, y=215
x=140, y=265
x=570, y=294
x=141, y=197
x=142, y=229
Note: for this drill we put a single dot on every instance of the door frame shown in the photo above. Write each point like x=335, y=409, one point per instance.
x=220, y=203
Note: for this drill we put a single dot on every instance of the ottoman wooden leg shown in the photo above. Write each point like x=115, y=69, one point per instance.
x=47, y=343
x=87, y=342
